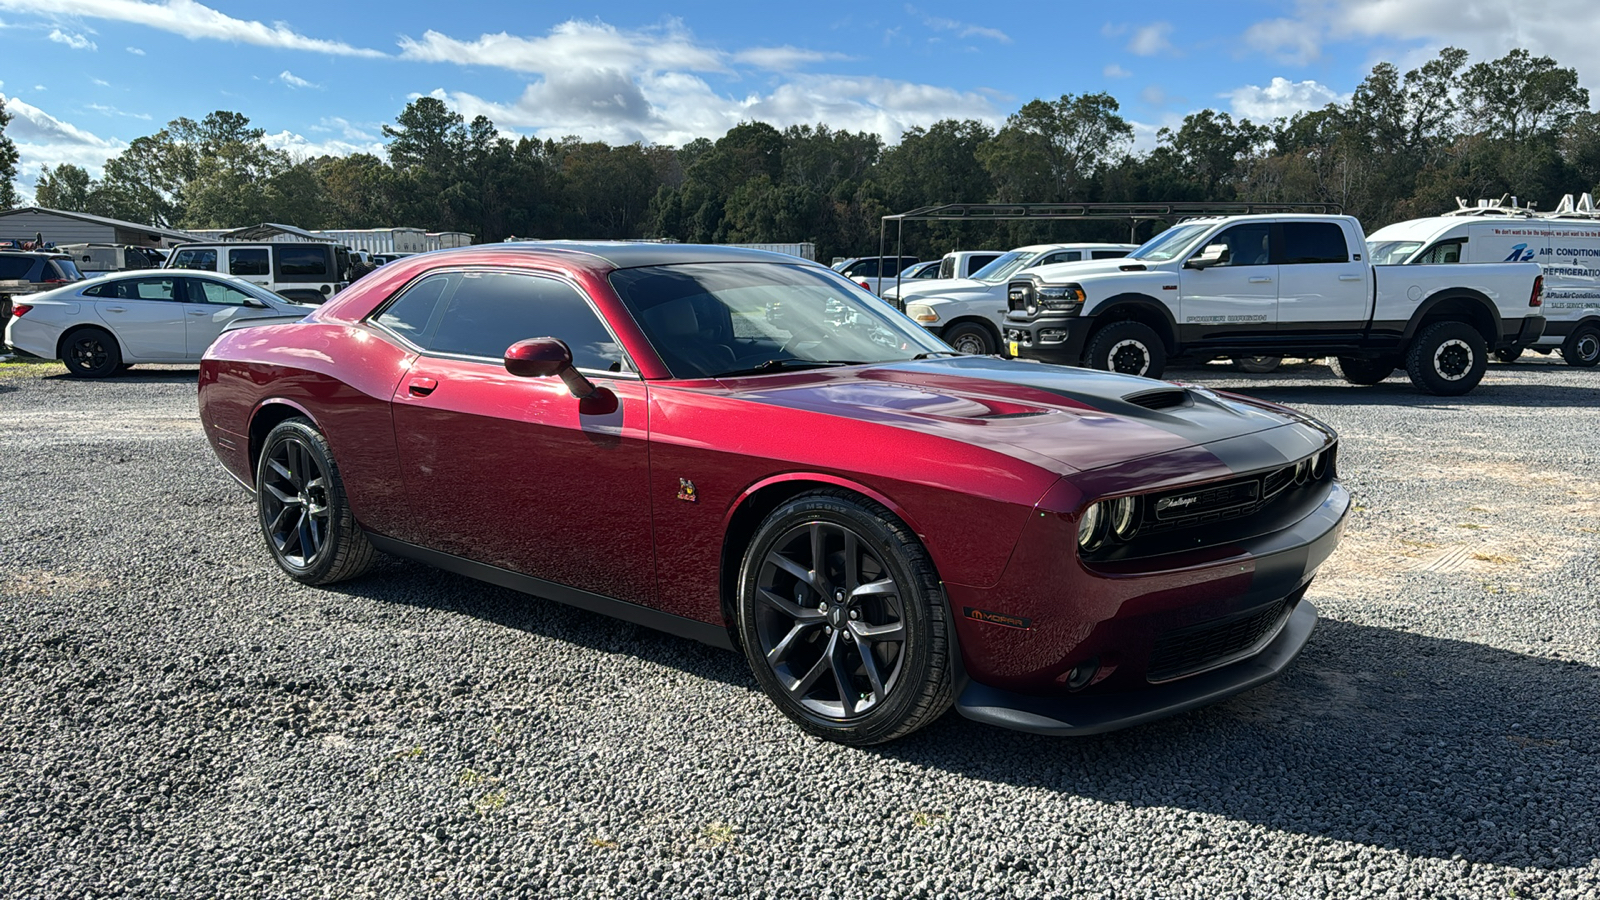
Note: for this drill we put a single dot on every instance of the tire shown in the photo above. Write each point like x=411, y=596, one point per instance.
x=1582, y=347
x=1131, y=348
x=972, y=339
x=1257, y=365
x=1509, y=355
x=91, y=353
x=297, y=472
x=1447, y=359
x=1365, y=372
x=800, y=627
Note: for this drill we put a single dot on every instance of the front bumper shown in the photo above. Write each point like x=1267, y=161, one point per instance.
x=1282, y=565
x=1057, y=340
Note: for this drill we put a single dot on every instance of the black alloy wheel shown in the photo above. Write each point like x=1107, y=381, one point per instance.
x=1131, y=348
x=843, y=620
x=91, y=353
x=1365, y=372
x=303, y=512
x=1582, y=347
x=971, y=339
x=1447, y=359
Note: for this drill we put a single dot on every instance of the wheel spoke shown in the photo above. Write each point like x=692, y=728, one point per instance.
x=806, y=576
x=279, y=468
x=879, y=588
x=280, y=520
x=790, y=608
x=869, y=662
x=852, y=562
x=799, y=687
x=796, y=632
x=893, y=632
x=819, y=560
x=842, y=676
x=279, y=495
x=303, y=529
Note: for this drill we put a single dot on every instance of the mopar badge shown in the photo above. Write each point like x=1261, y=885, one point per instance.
x=686, y=491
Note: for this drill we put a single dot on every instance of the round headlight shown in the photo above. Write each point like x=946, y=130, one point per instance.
x=1302, y=471
x=1319, y=464
x=1123, y=519
x=1092, y=527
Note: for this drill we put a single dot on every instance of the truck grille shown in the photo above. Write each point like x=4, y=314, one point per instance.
x=1209, y=645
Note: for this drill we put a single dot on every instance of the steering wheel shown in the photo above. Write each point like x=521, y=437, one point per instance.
x=800, y=336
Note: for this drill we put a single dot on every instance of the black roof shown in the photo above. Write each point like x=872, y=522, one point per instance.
x=632, y=254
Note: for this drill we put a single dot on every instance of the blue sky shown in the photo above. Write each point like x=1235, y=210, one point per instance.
x=322, y=77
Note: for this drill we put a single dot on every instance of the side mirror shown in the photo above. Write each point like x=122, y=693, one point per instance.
x=546, y=356
x=255, y=303
x=1212, y=255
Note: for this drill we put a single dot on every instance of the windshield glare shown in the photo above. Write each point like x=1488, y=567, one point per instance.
x=1172, y=243
x=1392, y=253
x=1001, y=268
x=711, y=319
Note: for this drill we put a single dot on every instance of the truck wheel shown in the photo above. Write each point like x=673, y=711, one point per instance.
x=970, y=338
x=1582, y=347
x=1509, y=355
x=1256, y=365
x=1360, y=371
x=1447, y=358
x=1131, y=348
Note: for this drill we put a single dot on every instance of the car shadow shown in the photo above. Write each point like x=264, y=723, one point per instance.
x=162, y=375
x=1428, y=746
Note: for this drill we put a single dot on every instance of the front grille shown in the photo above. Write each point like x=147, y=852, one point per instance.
x=1189, y=651
x=1229, y=500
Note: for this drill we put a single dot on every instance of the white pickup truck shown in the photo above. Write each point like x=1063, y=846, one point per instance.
x=1279, y=285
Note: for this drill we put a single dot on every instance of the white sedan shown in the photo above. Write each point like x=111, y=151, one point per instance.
x=102, y=325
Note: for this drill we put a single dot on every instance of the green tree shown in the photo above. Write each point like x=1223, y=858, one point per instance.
x=1054, y=151
x=1519, y=95
x=67, y=187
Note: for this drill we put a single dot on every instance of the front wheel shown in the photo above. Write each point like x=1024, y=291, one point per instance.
x=843, y=620
x=971, y=339
x=1365, y=372
x=91, y=353
x=304, y=514
x=1447, y=359
x=1582, y=347
x=1508, y=355
x=1131, y=348
x=1257, y=365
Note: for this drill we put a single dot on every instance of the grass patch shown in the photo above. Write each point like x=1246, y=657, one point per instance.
x=1472, y=525
x=718, y=834
x=1495, y=558
x=923, y=819
x=600, y=843
x=490, y=802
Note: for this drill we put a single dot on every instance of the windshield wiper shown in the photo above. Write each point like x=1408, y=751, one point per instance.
x=793, y=364
x=932, y=353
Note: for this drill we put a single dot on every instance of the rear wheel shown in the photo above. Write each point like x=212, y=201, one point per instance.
x=1364, y=372
x=971, y=338
x=1131, y=348
x=1508, y=355
x=1582, y=347
x=1257, y=365
x=1447, y=358
x=304, y=514
x=91, y=353
x=843, y=620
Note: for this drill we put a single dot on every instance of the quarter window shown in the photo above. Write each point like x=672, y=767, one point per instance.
x=249, y=261
x=1310, y=243
x=412, y=314
x=1442, y=252
x=303, y=259
x=196, y=258
x=136, y=289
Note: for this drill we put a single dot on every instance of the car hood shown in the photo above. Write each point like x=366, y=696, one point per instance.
x=936, y=286
x=1066, y=419
x=1057, y=272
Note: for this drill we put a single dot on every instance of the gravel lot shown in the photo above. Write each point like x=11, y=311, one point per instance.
x=179, y=719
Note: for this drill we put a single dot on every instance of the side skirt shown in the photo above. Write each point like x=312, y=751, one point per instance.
x=704, y=632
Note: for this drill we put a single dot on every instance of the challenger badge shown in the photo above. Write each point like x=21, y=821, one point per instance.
x=686, y=491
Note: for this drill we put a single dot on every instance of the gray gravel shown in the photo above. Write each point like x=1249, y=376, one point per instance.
x=178, y=719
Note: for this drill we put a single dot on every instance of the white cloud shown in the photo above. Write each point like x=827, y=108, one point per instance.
x=784, y=59
x=1281, y=98
x=101, y=82
x=1151, y=39
x=295, y=81
x=1115, y=71
x=42, y=139
x=113, y=111
x=72, y=39
x=41, y=88
x=194, y=20
x=135, y=51
x=300, y=147
x=1286, y=40
x=349, y=130
x=570, y=45
x=961, y=29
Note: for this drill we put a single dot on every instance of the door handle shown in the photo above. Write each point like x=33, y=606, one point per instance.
x=422, y=387
x=116, y=309
x=199, y=312
x=1349, y=277
x=1260, y=279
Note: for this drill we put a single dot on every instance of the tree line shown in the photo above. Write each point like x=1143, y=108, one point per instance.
x=1405, y=144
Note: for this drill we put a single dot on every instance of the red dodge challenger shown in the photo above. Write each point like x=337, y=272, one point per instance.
x=747, y=449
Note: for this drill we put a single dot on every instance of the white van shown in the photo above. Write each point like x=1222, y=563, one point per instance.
x=302, y=271
x=1565, y=243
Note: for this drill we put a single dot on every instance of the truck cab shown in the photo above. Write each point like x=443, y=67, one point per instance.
x=302, y=271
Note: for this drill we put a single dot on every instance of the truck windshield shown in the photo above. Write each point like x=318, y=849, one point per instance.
x=1172, y=243
x=1392, y=253
x=1001, y=269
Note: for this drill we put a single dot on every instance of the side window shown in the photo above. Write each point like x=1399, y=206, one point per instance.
x=1310, y=243
x=204, y=291
x=1442, y=252
x=249, y=261
x=140, y=289
x=15, y=268
x=1248, y=245
x=490, y=311
x=1109, y=254
x=1059, y=257
x=303, y=259
x=981, y=260
x=866, y=268
x=411, y=315
x=195, y=258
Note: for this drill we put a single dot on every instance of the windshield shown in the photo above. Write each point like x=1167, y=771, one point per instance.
x=1172, y=243
x=1392, y=253
x=712, y=319
x=1001, y=268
